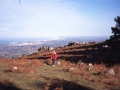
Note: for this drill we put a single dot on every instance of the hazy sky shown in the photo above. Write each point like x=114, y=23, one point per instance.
x=39, y=18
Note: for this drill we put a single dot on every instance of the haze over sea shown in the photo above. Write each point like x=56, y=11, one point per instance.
x=15, y=47
x=65, y=38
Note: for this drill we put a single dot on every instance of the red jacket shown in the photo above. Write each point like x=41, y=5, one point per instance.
x=53, y=55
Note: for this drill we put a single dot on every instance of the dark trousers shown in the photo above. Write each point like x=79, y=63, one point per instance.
x=53, y=61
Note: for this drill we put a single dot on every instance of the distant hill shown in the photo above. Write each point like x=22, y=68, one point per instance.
x=1, y=57
x=17, y=48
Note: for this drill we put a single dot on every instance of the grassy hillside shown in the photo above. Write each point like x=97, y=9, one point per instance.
x=82, y=67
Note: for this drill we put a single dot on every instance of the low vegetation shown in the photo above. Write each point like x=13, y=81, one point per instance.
x=90, y=66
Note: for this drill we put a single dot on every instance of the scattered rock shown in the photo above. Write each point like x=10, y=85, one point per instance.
x=15, y=68
x=90, y=64
x=58, y=63
x=111, y=72
x=71, y=69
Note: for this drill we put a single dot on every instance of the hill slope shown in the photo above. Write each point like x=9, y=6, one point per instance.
x=82, y=66
x=88, y=53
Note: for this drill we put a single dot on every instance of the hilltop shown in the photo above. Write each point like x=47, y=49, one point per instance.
x=87, y=52
x=86, y=66
x=18, y=47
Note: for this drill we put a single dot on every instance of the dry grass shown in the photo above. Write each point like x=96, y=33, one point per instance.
x=34, y=75
x=74, y=73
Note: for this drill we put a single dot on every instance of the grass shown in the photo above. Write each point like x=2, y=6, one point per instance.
x=32, y=80
x=34, y=75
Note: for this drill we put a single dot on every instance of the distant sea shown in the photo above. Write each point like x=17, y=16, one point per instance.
x=19, y=40
x=65, y=38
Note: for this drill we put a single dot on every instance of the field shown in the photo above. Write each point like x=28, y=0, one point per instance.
x=80, y=68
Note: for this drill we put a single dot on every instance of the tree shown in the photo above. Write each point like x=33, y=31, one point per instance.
x=116, y=29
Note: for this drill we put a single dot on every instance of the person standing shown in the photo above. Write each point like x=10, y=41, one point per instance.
x=53, y=57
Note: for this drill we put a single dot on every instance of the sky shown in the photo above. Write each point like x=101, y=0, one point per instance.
x=44, y=18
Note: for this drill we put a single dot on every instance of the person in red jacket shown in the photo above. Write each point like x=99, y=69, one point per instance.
x=53, y=57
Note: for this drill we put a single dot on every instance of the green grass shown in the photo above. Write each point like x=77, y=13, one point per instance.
x=34, y=80
x=41, y=75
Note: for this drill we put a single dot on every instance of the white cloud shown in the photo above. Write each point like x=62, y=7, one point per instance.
x=34, y=18
x=47, y=18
